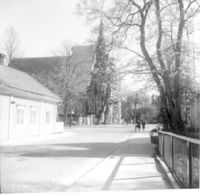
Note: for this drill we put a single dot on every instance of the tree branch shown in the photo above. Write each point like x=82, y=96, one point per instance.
x=160, y=32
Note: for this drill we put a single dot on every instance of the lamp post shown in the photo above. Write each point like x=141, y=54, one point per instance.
x=71, y=114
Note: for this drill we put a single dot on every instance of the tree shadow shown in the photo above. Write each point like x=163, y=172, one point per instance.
x=134, y=147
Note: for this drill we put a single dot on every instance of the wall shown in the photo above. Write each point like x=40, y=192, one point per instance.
x=4, y=116
x=29, y=126
x=25, y=129
x=46, y=128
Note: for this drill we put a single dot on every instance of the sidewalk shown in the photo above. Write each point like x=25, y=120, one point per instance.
x=131, y=167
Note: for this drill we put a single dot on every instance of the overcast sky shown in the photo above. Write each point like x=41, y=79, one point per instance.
x=42, y=24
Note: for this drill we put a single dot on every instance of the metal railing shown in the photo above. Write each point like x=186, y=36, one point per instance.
x=182, y=156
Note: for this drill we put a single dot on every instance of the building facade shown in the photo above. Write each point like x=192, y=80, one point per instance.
x=27, y=108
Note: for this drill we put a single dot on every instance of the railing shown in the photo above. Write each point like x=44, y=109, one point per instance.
x=182, y=156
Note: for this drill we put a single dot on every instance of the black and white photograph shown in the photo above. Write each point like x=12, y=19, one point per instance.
x=99, y=96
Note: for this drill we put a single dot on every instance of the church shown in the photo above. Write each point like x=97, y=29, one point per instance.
x=82, y=60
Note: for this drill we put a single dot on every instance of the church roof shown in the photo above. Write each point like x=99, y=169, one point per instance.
x=82, y=60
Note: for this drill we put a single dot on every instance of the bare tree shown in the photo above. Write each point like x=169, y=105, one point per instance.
x=11, y=45
x=160, y=29
x=134, y=101
x=68, y=75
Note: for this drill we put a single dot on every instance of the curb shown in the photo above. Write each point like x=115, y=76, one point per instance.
x=167, y=172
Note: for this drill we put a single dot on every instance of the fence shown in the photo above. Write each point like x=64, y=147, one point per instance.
x=182, y=156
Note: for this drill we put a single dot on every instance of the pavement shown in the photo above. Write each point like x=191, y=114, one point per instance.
x=86, y=158
x=132, y=170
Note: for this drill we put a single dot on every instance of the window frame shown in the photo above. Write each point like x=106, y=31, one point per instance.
x=20, y=114
x=33, y=117
x=47, y=117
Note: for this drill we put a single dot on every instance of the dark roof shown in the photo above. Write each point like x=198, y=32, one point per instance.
x=18, y=83
x=38, y=64
x=82, y=60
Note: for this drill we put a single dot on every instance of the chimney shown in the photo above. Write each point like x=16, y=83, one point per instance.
x=2, y=59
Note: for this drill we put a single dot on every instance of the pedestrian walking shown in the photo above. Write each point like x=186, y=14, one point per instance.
x=137, y=125
x=143, y=125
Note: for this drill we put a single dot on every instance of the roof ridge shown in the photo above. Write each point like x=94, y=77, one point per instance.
x=31, y=92
x=75, y=46
x=40, y=57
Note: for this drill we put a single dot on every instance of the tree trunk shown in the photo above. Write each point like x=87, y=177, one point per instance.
x=170, y=97
x=134, y=120
x=98, y=117
x=65, y=114
x=171, y=114
x=106, y=113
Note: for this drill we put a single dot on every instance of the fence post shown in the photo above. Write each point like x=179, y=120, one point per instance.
x=172, y=151
x=199, y=164
x=163, y=145
x=189, y=165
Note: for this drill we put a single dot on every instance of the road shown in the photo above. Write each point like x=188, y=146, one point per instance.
x=90, y=159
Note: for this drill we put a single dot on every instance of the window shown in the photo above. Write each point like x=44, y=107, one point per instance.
x=47, y=117
x=33, y=115
x=20, y=115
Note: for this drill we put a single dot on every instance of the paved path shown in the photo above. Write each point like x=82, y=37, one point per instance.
x=90, y=159
x=131, y=167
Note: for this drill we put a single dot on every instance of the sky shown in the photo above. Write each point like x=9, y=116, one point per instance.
x=42, y=25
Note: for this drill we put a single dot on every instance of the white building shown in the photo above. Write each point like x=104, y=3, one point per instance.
x=27, y=108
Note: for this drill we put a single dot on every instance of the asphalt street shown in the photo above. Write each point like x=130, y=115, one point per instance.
x=90, y=158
